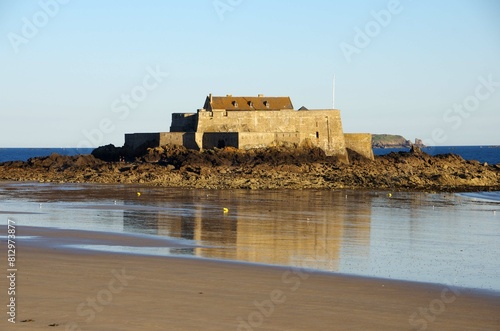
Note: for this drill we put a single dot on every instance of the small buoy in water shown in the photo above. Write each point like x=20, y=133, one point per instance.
x=225, y=210
x=494, y=212
x=40, y=205
x=138, y=194
x=389, y=195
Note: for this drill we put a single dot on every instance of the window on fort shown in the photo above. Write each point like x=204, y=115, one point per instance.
x=317, y=134
x=266, y=103
x=235, y=104
x=250, y=103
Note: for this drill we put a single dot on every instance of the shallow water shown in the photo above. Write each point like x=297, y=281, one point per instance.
x=440, y=238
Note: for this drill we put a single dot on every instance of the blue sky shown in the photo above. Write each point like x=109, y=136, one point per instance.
x=83, y=73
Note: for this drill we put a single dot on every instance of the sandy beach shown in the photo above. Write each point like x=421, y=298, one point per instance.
x=63, y=289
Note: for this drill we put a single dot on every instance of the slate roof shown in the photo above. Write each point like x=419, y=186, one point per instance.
x=230, y=102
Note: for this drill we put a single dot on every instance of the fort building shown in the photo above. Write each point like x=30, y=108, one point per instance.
x=254, y=122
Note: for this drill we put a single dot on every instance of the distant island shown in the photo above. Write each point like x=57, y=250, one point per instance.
x=394, y=141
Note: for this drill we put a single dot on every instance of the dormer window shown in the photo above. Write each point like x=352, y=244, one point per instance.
x=266, y=103
x=235, y=104
x=250, y=103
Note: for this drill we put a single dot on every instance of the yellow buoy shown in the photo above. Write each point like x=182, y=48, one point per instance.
x=138, y=194
x=389, y=195
x=225, y=210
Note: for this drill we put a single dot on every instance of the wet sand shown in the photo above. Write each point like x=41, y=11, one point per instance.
x=82, y=290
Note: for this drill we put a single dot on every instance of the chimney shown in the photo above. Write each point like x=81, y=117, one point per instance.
x=261, y=95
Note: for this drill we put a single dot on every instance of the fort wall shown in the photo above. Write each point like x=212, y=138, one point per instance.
x=134, y=141
x=360, y=143
x=322, y=128
x=255, y=122
x=265, y=139
x=249, y=140
x=184, y=122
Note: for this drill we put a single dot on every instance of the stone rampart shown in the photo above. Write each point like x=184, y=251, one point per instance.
x=322, y=128
x=360, y=143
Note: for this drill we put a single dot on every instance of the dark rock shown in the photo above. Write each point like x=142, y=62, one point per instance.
x=416, y=150
x=109, y=153
x=86, y=161
x=264, y=168
x=356, y=157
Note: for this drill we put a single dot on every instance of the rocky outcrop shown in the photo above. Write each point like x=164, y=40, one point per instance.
x=267, y=168
x=419, y=142
x=393, y=141
x=109, y=153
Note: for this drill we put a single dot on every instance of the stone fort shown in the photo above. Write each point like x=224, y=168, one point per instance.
x=254, y=122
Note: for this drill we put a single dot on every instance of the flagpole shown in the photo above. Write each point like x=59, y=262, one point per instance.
x=333, y=92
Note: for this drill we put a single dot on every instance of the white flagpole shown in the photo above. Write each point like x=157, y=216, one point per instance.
x=333, y=95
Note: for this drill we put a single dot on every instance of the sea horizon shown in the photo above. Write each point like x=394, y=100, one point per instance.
x=482, y=153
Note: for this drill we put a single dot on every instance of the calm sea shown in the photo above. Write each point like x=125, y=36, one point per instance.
x=445, y=238
x=23, y=154
x=489, y=154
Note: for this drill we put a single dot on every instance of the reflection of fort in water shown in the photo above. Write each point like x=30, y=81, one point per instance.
x=306, y=228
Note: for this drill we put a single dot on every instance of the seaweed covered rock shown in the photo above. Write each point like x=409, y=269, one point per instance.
x=274, y=167
x=109, y=153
